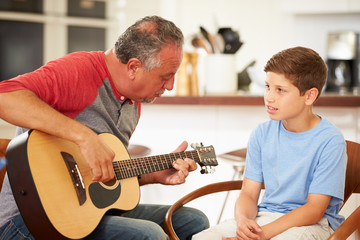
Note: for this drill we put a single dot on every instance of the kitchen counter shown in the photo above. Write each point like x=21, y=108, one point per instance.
x=325, y=100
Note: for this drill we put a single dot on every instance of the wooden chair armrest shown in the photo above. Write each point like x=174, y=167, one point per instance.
x=205, y=190
x=3, y=145
x=350, y=225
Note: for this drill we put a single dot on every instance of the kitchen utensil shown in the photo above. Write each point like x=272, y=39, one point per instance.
x=199, y=42
x=244, y=79
x=183, y=77
x=194, y=82
x=221, y=77
x=343, y=61
x=187, y=78
x=231, y=39
x=219, y=42
x=208, y=37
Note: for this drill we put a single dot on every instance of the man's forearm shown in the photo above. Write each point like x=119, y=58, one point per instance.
x=23, y=108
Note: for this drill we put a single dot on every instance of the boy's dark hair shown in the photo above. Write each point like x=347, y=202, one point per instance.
x=302, y=66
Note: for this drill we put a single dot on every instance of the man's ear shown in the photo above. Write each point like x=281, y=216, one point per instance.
x=133, y=67
x=311, y=95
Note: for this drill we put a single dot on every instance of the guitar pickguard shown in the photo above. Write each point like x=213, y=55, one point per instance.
x=102, y=197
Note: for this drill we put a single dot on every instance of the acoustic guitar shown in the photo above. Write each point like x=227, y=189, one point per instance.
x=53, y=189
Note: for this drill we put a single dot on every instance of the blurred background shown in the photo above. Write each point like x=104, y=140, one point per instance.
x=47, y=29
x=33, y=32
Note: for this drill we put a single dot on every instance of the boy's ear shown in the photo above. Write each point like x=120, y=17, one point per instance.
x=133, y=66
x=311, y=96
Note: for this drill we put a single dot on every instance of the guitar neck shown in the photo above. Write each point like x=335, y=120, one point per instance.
x=138, y=166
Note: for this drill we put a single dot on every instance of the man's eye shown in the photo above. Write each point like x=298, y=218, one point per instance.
x=166, y=78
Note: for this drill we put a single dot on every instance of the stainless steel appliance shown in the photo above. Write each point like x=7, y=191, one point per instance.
x=343, y=60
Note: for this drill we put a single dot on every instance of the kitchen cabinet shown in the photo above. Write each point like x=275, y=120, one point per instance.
x=354, y=6
x=59, y=22
x=16, y=56
x=320, y=6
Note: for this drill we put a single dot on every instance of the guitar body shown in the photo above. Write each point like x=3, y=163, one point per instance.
x=57, y=199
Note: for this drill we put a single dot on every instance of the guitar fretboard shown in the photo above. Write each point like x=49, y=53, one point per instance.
x=135, y=167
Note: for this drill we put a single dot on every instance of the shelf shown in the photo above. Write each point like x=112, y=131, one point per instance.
x=326, y=100
x=320, y=6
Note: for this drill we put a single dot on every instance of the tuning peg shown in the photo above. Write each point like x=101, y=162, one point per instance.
x=207, y=169
x=195, y=145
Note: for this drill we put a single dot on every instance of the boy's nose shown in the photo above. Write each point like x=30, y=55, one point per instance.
x=268, y=96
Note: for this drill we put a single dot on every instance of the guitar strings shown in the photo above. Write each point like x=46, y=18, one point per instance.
x=135, y=167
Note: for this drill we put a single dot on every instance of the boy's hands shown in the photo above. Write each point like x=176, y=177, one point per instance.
x=247, y=229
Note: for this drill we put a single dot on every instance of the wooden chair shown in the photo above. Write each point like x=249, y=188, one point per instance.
x=352, y=185
x=3, y=146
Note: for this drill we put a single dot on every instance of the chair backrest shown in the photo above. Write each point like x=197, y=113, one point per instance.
x=3, y=145
x=352, y=181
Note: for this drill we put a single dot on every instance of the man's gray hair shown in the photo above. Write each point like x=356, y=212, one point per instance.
x=144, y=40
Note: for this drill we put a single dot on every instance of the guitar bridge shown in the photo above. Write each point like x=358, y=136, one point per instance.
x=75, y=176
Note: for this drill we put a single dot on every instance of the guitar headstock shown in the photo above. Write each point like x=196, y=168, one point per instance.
x=207, y=157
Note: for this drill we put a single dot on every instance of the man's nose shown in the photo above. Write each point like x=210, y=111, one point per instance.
x=169, y=85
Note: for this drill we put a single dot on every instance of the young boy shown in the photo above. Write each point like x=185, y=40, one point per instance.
x=298, y=155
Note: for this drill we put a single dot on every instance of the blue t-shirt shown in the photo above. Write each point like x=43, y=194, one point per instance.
x=292, y=165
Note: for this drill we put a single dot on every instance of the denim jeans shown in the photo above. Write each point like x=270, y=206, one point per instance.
x=143, y=222
x=15, y=229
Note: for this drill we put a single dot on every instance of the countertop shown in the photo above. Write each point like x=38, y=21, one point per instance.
x=325, y=100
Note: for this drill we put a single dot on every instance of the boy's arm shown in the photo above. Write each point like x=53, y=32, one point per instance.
x=246, y=209
x=310, y=213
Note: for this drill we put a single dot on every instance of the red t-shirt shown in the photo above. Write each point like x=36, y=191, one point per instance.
x=80, y=86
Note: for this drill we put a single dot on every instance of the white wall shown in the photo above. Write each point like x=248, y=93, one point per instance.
x=263, y=25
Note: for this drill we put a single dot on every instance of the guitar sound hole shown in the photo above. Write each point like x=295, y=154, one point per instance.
x=103, y=197
x=111, y=182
